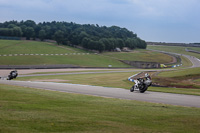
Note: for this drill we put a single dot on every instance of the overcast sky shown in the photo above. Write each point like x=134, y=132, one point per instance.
x=151, y=20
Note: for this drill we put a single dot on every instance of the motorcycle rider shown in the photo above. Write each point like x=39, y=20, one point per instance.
x=13, y=74
x=147, y=76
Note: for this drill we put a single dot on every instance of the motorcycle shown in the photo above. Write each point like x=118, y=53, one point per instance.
x=12, y=75
x=142, y=85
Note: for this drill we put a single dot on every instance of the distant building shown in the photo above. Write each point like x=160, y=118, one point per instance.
x=117, y=50
x=126, y=49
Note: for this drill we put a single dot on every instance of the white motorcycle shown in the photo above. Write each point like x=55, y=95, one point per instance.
x=142, y=86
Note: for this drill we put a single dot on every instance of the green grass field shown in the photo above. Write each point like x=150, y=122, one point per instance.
x=140, y=55
x=8, y=47
x=26, y=110
x=90, y=60
x=181, y=72
x=34, y=47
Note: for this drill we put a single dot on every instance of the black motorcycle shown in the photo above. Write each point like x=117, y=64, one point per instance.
x=142, y=85
x=12, y=75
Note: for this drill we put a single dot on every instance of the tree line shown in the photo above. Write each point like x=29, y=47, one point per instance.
x=89, y=36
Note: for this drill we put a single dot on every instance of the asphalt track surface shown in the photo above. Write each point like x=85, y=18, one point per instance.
x=154, y=97
x=195, y=61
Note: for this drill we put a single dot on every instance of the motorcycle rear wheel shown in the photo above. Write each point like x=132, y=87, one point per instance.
x=143, y=88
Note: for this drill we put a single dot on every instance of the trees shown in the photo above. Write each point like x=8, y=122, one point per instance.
x=100, y=46
x=59, y=36
x=13, y=31
x=17, y=31
x=5, y=32
x=42, y=34
x=89, y=36
x=29, y=32
x=30, y=23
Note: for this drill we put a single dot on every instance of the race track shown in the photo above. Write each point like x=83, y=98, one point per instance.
x=155, y=97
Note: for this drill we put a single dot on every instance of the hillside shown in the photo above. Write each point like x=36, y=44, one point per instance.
x=89, y=36
x=24, y=52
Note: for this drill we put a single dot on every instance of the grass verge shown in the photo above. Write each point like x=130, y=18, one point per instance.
x=32, y=110
x=185, y=91
x=183, y=78
x=181, y=72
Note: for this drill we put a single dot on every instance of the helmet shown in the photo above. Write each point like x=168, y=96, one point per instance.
x=146, y=74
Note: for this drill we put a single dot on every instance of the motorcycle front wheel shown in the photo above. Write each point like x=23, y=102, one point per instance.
x=132, y=89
